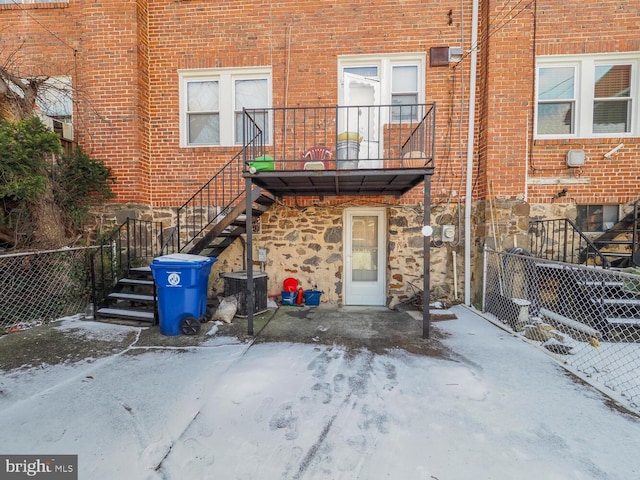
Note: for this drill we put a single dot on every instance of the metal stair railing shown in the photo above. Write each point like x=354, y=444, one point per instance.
x=562, y=240
x=136, y=242
x=208, y=206
x=133, y=244
x=635, y=235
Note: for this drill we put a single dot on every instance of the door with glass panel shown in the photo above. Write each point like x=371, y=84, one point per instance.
x=365, y=257
x=363, y=116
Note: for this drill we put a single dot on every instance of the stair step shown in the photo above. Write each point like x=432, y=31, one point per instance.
x=136, y=281
x=596, y=283
x=612, y=242
x=623, y=321
x=617, y=301
x=265, y=200
x=140, y=272
x=231, y=233
x=146, y=269
x=134, y=297
x=125, y=313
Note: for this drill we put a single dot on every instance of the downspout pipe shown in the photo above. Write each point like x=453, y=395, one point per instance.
x=470, y=153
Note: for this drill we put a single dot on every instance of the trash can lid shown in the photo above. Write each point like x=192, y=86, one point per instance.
x=242, y=275
x=184, y=257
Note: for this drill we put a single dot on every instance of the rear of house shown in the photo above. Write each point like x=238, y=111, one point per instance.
x=168, y=93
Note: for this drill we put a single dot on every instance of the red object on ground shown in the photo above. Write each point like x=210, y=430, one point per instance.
x=299, y=296
x=290, y=285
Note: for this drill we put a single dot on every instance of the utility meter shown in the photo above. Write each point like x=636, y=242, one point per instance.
x=448, y=233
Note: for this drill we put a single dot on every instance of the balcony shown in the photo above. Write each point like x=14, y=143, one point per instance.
x=343, y=150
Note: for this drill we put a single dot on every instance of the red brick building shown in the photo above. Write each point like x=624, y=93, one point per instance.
x=158, y=86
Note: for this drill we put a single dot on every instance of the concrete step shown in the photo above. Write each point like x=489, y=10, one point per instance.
x=133, y=297
x=140, y=315
x=136, y=282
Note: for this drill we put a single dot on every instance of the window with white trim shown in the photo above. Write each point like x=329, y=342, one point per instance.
x=212, y=103
x=55, y=98
x=404, y=91
x=588, y=96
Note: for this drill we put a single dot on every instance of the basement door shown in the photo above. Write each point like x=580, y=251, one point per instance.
x=365, y=257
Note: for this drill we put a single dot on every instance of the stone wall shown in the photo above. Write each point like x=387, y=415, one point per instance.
x=307, y=243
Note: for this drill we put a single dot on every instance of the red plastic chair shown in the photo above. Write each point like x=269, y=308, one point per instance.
x=316, y=158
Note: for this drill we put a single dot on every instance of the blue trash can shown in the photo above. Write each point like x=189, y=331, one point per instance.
x=182, y=281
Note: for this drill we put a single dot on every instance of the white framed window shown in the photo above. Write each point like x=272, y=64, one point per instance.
x=588, y=96
x=401, y=78
x=212, y=102
x=55, y=98
x=404, y=91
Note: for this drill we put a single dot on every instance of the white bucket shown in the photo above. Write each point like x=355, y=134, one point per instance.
x=347, y=155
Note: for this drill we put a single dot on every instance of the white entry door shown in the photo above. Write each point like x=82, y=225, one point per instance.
x=365, y=257
x=365, y=117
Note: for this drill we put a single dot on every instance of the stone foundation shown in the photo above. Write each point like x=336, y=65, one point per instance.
x=307, y=243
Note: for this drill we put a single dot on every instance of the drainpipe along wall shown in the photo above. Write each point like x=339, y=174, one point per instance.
x=470, y=153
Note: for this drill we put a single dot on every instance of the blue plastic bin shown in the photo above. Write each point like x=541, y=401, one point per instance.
x=182, y=281
x=312, y=297
x=289, y=298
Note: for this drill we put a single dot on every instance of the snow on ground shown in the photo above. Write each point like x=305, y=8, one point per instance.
x=231, y=410
x=77, y=326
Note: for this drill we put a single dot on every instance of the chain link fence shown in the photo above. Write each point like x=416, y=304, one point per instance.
x=587, y=317
x=38, y=287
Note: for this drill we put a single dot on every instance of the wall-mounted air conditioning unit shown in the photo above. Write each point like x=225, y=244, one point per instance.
x=64, y=129
x=67, y=131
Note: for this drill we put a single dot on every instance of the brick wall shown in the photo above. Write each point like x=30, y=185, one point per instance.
x=301, y=41
x=124, y=57
x=97, y=44
x=510, y=154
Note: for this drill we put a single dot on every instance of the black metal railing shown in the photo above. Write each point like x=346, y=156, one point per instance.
x=214, y=200
x=133, y=244
x=635, y=235
x=561, y=240
x=364, y=136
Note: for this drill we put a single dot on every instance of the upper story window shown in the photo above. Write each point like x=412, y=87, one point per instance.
x=612, y=99
x=55, y=98
x=212, y=103
x=588, y=96
x=404, y=91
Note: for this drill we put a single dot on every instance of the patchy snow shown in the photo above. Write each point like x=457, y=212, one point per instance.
x=231, y=410
x=612, y=366
x=78, y=326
